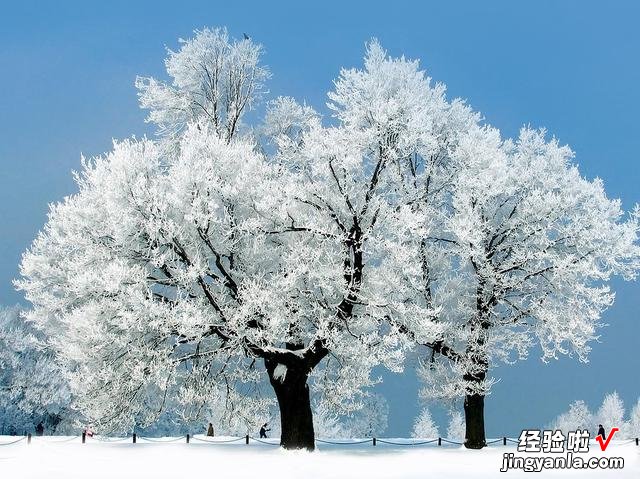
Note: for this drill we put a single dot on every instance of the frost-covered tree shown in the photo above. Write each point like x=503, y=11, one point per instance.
x=33, y=388
x=424, y=426
x=520, y=251
x=186, y=268
x=633, y=430
x=456, y=428
x=326, y=422
x=577, y=417
x=611, y=412
x=371, y=419
x=213, y=78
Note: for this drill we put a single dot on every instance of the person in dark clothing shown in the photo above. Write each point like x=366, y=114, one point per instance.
x=263, y=431
x=601, y=432
x=210, y=430
x=39, y=429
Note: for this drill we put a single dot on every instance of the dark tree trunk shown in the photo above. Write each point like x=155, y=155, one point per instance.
x=475, y=376
x=474, y=420
x=296, y=418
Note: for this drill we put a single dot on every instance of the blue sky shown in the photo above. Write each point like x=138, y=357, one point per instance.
x=66, y=88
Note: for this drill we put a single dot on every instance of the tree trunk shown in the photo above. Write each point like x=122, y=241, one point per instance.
x=474, y=419
x=476, y=374
x=296, y=418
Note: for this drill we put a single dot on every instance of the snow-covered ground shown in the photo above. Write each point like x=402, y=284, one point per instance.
x=67, y=458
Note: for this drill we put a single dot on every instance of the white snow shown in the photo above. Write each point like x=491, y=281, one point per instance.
x=50, y=458
x=280, y=372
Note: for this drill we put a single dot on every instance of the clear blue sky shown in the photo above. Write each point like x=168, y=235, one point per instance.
x=66, y=87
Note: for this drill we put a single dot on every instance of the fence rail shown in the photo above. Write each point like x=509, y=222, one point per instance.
x=135, y=438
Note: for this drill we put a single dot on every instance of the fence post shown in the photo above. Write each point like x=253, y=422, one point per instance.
x=187, y=438
x=636, y=441
x=504, y=441
x=246, y=439
x=84, y=437
x=29, y=438
x=439, y=441
x=135, y=437
x=374, y=441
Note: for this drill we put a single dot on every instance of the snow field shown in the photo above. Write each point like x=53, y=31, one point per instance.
x=68, y=458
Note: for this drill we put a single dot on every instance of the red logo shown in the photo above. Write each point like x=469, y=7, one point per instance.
x=603, y=445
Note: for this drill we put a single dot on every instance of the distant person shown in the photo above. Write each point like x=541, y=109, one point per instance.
x=39, y=429
x=263, y=431
x=210, y=430
x=601, y=432
x=88, y=431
